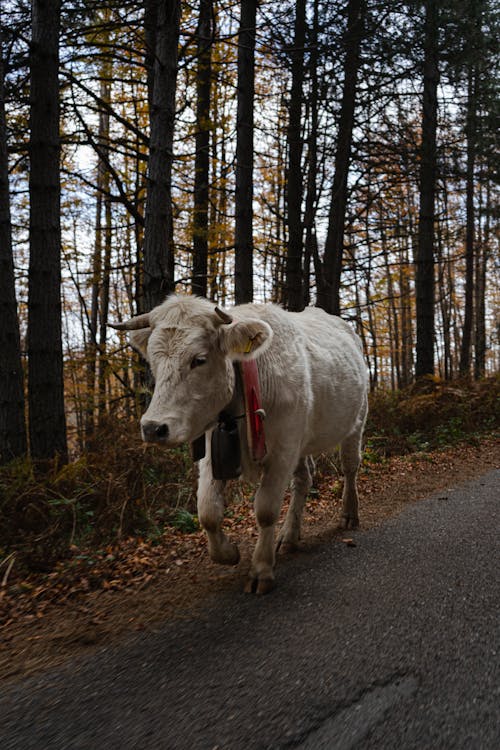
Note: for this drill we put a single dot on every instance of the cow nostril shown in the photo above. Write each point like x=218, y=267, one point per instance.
x=153, y=432
x=162, y=431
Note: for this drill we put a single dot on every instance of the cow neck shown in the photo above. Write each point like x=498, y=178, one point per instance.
x=246, y=397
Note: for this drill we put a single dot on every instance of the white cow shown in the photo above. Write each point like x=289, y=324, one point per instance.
x=313, y=384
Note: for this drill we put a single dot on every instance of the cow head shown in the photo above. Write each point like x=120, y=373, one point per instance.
x=190, y=346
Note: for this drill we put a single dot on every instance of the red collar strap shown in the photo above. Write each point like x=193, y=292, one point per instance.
x=254, y=412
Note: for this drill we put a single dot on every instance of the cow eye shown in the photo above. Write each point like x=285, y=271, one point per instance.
x=197, y=362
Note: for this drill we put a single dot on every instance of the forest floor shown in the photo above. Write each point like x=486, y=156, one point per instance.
x=96, y=597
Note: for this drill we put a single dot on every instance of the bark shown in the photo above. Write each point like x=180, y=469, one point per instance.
x=219, y=209
x=446, y=285
x=392, y=317
x=360, y=328
x=91, y=355
x=104, y=304
x=329, y=282
x=408, y=252
x=243, y=270
x=13, y=441
x=444, y=302
x=372, y=328
x=158, y=277
x=45, y=372
x=202, y=158
x=465, y=349
x=311, y=243
x=150, y=27
x=480, y=317
x=102, y=198
x=294, y=298
x=406, y=320
x=424, y=272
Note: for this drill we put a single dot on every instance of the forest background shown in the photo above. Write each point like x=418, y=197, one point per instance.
x=341, y=154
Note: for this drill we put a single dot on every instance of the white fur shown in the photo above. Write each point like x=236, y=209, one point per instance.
x=314, y=391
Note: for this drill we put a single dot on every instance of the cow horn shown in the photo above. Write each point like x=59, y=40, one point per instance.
x=224, y=316
x=134, y=324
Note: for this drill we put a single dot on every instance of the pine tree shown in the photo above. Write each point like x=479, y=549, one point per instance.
x=243, y=241
x=424, y=262
x=47, y=426
x=12, y=425
x=294, y=297
x=158, y=229
x=202, y=158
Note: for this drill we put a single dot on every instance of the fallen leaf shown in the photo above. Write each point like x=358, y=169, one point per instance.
x=349, y=542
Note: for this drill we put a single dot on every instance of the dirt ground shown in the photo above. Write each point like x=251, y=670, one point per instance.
x=95, y=600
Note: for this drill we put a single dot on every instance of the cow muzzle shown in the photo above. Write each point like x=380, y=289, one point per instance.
x=154, y=432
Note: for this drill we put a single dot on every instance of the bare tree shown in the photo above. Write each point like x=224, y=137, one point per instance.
x=329, y=281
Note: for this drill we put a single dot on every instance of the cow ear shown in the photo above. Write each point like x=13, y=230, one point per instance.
x=245, y=339
x=139, y=340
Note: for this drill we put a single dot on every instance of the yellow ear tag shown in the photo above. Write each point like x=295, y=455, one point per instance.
x=246, y=349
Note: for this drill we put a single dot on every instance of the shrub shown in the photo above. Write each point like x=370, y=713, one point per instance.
x=443, y=414
x=118, y=488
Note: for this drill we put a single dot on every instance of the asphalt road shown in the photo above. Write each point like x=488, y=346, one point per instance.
x=393, y=643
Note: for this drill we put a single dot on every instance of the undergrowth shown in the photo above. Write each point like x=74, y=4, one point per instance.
x=117, y=489
x=121, y=488
x=431, y=416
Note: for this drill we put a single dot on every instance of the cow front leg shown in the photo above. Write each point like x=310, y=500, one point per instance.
x=289, y=535
x=211, y=516
x=267, y=504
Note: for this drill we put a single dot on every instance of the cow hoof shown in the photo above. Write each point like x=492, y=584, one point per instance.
x=228, y=555
x=286, y=548
x=348, y=522
x=259, y=586
x=288, y=541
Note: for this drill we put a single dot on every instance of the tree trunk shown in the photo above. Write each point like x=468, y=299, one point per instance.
x=219, y=210
x=294, y=299
x=104, y=303
x=243, y=241
x=424, y=272
x=329, y=284
x=481, y=264
x=91, y=355
x=465, y=349
x=45, y=372
x=311, y=242
x=392, y=313
x=102, y=198
x=151, y=8
x=202, y=159
x=12, y=424
x=158, y=230
x=406, y=317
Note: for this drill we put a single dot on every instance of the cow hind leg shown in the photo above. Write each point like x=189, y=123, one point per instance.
x=350, y=456
x=302, y=481
x=211, y=516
